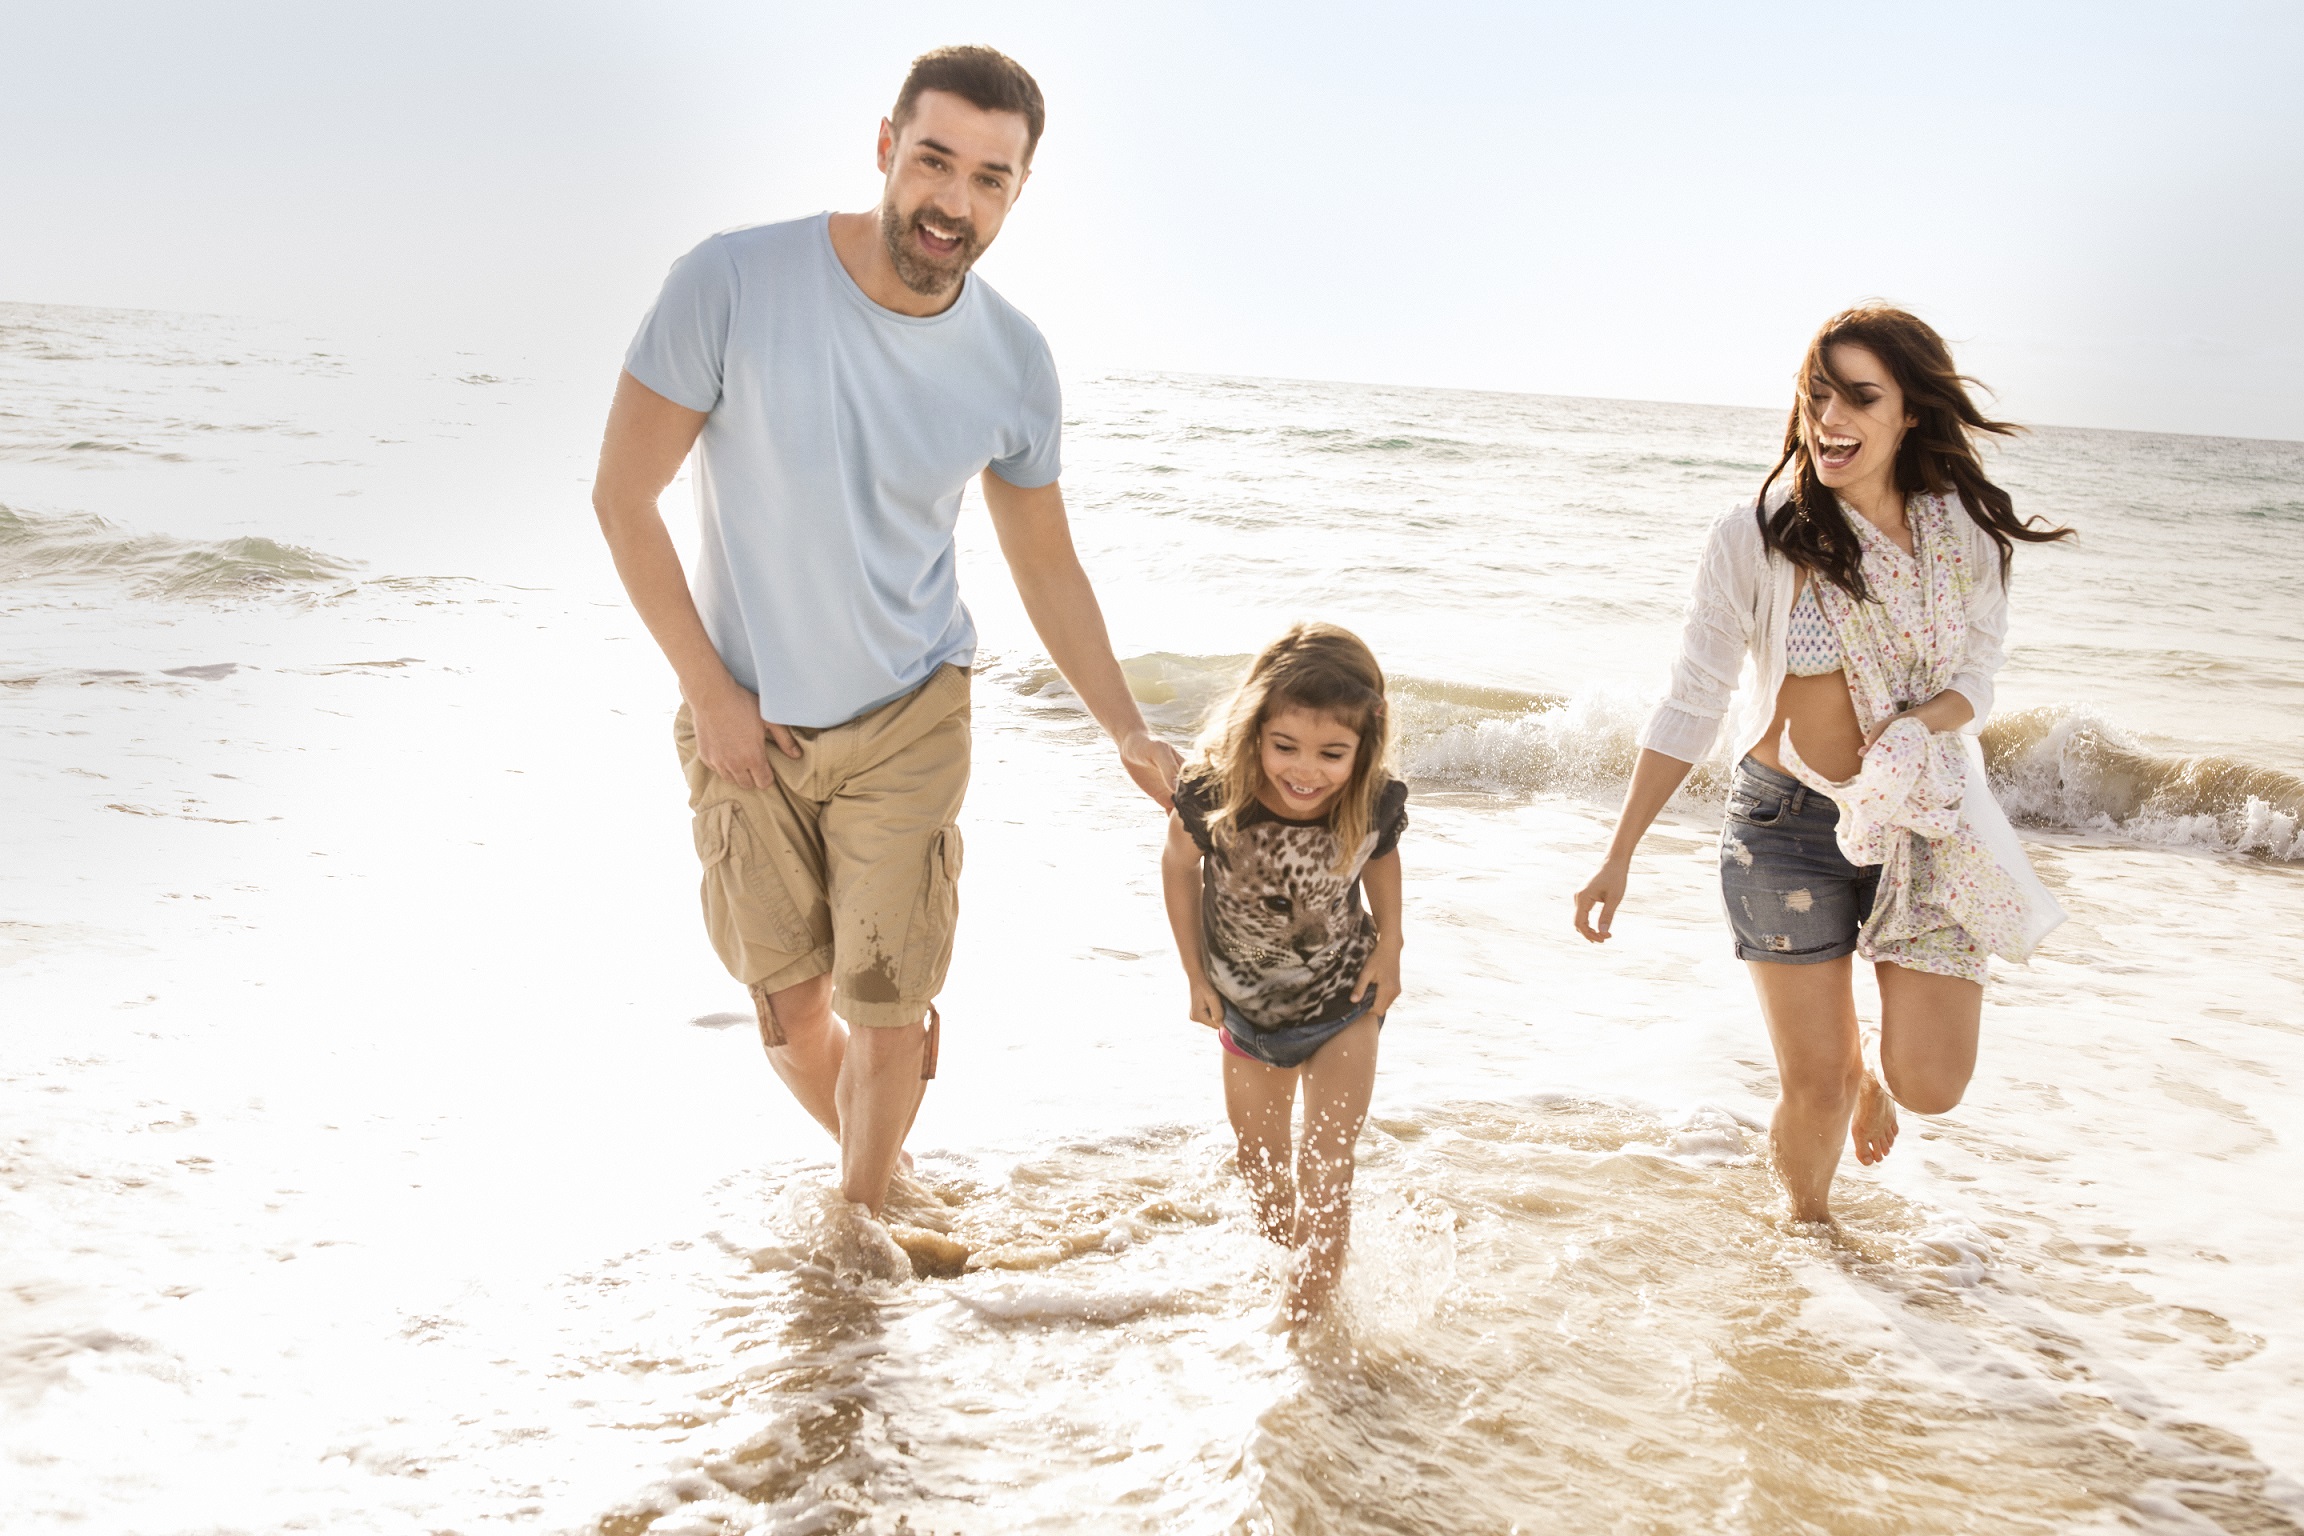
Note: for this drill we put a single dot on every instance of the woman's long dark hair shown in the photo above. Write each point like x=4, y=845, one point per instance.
x=1937, y=455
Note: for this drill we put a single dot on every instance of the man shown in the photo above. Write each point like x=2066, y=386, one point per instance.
x=842, y=377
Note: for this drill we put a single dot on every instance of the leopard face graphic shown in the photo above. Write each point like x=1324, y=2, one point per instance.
x=1285, y=933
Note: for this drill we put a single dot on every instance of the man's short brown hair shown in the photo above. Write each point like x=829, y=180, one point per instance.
x=984, y=77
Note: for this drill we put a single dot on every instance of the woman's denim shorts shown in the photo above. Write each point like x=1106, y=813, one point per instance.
x=1792, y=896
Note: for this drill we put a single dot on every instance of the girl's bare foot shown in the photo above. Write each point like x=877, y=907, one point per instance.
x=1872, y=1128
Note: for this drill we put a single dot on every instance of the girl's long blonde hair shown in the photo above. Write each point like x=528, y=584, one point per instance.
x=1317, y=667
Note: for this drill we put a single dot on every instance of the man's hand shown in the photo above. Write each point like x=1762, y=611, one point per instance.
x=1153, y=764
x=732, y=739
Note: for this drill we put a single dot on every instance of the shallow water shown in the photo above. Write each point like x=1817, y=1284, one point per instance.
x=386, y=1152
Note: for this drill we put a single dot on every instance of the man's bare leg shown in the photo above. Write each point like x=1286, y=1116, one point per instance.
x=815, y=1043
x=878, y=1093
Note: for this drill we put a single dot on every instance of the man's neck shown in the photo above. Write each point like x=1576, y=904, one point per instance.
x=864, y=256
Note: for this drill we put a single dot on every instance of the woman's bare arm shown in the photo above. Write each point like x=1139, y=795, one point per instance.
x=1654, y=779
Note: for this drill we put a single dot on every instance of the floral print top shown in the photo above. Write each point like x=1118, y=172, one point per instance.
x=1944, y=903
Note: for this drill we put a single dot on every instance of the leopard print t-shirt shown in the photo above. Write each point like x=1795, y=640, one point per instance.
x=1286, y=932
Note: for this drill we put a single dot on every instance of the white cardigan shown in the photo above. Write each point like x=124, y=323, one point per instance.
x=1737, y=621
x=1739, y=616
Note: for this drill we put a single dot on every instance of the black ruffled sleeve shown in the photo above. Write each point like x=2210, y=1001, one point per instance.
x=1192, y=797
x=1391, y=817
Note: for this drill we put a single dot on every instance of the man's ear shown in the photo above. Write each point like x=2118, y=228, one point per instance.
x=887, y=145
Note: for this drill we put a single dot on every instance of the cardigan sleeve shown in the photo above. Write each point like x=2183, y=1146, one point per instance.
x=1714, y=639
x=1987, y=628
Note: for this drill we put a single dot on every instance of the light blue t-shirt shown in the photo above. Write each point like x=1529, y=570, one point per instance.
x=829, y=474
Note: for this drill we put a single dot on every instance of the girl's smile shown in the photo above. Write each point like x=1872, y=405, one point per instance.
x=1307, y=758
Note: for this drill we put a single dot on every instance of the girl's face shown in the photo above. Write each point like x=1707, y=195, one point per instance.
x=1854, y=433
x=1307, y=760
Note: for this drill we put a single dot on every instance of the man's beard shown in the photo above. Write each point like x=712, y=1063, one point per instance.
x=916, y=270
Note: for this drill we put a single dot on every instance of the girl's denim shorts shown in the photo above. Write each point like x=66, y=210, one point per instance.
x=1291, y=1045
x=1792, y=896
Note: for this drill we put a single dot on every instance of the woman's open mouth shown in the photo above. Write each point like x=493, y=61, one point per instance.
x=1837, y=452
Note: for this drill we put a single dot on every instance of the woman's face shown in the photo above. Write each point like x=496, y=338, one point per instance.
x=1854, y=433
x=1307, y=759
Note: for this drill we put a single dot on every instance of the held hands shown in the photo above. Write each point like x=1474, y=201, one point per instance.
x=1381, y=976
x=1603, y=890
x=733, y=740
x=1153, y=764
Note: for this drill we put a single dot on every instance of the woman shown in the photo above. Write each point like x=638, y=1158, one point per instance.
x=1870, y=596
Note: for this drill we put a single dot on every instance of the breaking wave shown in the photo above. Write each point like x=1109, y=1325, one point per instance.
x=83, y=550
x=2066, y=767
x=2059, y=767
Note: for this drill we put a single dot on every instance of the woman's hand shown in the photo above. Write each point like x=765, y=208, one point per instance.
x=1948, y=711
x=1380, y=976
x=1872, y=737
x=1207, y=1003
x=1603, y=890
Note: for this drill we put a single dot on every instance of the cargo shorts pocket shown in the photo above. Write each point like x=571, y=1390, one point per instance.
x=756, y=924
x=928, y=946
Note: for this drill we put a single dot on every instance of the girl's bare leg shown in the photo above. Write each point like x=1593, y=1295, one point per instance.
x=1337, y=1083
x=1928, y=1028
x=1261, y=1100
x=1811, y=1014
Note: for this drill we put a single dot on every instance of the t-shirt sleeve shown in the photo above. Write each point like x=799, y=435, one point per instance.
x=1192, y=810
x=683, y=342
x=1391, y=818
x=1037, y=458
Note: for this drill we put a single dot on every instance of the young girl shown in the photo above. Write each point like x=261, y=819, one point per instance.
x=1288, y=809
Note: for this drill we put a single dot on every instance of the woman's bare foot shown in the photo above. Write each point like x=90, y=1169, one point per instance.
x=1872, y=1129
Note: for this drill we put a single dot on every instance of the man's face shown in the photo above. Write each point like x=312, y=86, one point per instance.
x=953, y=173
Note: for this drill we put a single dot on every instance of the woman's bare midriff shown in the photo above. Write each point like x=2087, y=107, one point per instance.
x=1824, y=727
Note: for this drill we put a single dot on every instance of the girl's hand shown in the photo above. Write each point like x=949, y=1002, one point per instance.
x=1381, y=975
x=1207, y=1003
x=1604, y=890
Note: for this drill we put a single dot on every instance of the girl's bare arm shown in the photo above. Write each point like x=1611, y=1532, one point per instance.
x=1180, y=887
x=1380, y=878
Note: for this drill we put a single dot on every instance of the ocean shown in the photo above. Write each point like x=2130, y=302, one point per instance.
x=386, y=1151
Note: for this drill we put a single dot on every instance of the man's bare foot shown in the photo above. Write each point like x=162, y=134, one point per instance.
x=1872, y=1129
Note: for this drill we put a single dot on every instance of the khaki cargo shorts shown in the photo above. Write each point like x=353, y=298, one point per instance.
x=851, y=864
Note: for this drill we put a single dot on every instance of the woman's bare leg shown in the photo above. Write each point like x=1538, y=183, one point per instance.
x=1928, y=1029
x=1261, y=1100
x=1811, y=1014
x=1338, y=1082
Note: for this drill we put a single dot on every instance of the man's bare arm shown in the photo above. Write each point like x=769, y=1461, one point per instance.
x=647, y=439
x=1036, y=539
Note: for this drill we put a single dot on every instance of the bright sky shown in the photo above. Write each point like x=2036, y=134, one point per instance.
x=2102, y=204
